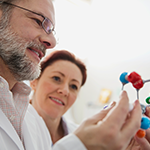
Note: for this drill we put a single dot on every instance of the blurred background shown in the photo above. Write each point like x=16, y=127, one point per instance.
x=111, y=37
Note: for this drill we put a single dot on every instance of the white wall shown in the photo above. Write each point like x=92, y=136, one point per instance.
x=103, y=31
x=111, y=36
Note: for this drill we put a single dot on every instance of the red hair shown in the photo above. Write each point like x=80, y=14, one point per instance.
x=64, y=55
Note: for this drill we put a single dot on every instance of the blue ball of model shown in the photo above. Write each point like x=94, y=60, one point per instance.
x=145, y=123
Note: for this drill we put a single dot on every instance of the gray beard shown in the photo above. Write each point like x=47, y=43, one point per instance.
x=12, y=51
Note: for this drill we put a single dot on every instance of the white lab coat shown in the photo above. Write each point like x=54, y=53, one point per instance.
x=9, y=139
x=35, y=134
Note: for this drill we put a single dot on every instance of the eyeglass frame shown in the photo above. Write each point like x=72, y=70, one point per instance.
x=52, y=30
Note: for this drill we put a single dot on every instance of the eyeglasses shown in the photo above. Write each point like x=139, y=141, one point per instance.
x=47, y=25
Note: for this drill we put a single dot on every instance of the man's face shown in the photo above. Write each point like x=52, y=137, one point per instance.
x=23, y=42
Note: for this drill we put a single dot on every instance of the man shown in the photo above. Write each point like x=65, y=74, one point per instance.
x=26, y=31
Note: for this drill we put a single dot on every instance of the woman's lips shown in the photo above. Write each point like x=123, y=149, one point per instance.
x=57, y=101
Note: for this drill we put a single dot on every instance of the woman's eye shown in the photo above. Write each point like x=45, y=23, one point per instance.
x=38, y=22
x=56, y=78
x=74, y=87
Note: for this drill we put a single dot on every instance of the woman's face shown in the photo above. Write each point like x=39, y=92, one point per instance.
x=57, y=89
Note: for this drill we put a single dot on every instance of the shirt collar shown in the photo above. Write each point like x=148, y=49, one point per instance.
x=19, y=87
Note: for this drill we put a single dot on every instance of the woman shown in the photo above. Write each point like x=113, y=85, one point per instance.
x=56, y=89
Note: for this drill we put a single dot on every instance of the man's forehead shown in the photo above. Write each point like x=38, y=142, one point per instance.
x=45, y=7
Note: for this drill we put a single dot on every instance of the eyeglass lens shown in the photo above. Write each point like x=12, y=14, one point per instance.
x=47, y=25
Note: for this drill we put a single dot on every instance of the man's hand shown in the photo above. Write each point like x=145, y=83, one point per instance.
x=112, y=128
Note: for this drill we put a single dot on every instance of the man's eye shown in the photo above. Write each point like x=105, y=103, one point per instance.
x=38, y=22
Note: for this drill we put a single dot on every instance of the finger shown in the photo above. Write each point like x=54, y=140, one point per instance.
x=147, y=113
x=148, y=135
x=99, y=116
x=113, y=103
x=119, y=113
x=133, y=122
x=144, y=144
x=131, y=144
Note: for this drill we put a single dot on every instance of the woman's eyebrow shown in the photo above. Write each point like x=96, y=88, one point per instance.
x=59, y=73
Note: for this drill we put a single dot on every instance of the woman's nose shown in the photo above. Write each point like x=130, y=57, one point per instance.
x=64, y=90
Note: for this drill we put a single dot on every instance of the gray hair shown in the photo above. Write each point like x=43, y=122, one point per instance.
x=6, y=9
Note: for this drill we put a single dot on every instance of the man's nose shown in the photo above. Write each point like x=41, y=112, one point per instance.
x=48, y=40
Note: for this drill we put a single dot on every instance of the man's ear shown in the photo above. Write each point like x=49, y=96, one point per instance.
x=33, y=84
x=0, y=13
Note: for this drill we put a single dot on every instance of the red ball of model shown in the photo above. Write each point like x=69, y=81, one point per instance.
x=136, y=80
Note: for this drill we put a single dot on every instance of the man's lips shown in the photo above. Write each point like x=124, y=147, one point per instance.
x=37, y=52
x=57, y=100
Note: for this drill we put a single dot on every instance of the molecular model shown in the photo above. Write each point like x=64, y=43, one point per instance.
x=137, y=83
